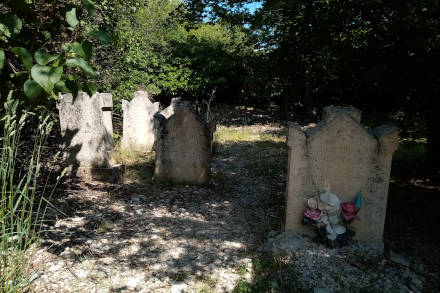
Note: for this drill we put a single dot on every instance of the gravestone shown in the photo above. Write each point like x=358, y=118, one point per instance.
x=344, y=158
x=183, y=145
x=87, y=134
x=138, y=125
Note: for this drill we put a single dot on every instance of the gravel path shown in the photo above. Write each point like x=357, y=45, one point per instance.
x=162, y=238
x=150, y=238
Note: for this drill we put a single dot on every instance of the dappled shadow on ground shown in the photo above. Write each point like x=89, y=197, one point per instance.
x=412, y=223
x=141, y=236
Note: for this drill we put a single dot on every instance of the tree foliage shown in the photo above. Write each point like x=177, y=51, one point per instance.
x=46, y=47
x=158, y=45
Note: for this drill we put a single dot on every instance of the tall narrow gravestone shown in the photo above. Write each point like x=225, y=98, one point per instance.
x=343, y=157
x=183, y=145
x=138, y=129
x=87, y=133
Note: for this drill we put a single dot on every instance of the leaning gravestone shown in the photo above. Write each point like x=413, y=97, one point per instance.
x=340, y=155
x=87, y=134
x=183, y=145
x=138, y=129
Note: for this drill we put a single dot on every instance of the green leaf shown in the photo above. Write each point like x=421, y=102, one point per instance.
x=82, y=64
x=12, y=23
x=102, y=36
x=90, y=88
x=66, y=86
x=60, y=87
x=2, y=59
x=73, y=87
x=71, y=18
x=4, y=31
x=46, y=35
x=46, y=76
x=24, y=56
x=87, y=48
x=66, y=47
x=44, y=58
x=90, y=6
x=32, y=89
x=84, y=50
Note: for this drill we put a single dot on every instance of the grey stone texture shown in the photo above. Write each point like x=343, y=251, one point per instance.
x=343, y=157
x=183, y=145
x=87, y=134
x=138, y=125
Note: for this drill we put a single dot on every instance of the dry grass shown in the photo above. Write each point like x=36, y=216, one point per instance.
x=139, y=166
x=225, y=135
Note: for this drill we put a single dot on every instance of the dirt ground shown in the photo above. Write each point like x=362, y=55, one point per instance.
x=144, y=237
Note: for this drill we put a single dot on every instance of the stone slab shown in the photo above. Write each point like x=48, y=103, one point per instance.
x=183, y=145
x=138, y=123
x=341, y=156
x=87, y=131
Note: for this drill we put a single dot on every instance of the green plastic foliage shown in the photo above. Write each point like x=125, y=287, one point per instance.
x=43, y=58
x=24, y=56
x=32, y=89
x=82, y=64
x=102, y=36
x=71, y=18
x=83, y=49
x=10, y=25
x=2, y=59
x=46, y=76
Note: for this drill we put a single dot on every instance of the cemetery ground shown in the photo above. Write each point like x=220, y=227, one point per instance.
x=142, y=236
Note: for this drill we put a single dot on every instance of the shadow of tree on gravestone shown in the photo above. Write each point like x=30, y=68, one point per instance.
x=99, y=170
x=104, y=171
x=70, y=152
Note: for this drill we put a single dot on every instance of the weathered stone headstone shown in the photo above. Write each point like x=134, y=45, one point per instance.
x=138, y=129
x=87, y=133
x=183, y=145
x=340, y=155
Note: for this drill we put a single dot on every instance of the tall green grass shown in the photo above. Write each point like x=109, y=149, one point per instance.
x=21, y=210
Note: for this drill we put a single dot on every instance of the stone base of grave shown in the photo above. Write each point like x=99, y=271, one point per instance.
x=288, y=243
x=113, y=174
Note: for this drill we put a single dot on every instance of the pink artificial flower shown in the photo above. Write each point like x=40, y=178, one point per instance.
x=349, y=216
x=313, y=214
x=349, y=211
x=349, y=207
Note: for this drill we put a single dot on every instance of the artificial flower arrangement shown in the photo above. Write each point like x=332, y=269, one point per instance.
x=331, y=217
